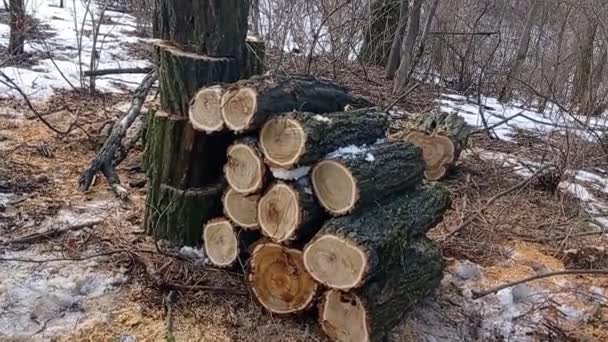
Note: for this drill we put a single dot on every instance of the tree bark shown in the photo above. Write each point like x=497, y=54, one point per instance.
x=383, y=22
x=395, y=54
x=300, y=138
x=407, y=50
x=412, y=273
x=348, y=251
x=249, y=103
x=522, y=52
x=582, y=94
x=18, y=23
x=352, y=177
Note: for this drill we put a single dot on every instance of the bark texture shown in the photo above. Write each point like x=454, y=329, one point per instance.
x=412, y=273
x=248, y=104
x=320, y=134
x=376, y=172
x=379, y=232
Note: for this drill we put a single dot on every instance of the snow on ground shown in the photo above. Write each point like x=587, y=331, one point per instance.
x=496, y=112
x=41, y=80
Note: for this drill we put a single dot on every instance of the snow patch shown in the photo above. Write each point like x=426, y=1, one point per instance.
x=370, y=157
x=293, y=174
x=322, y=118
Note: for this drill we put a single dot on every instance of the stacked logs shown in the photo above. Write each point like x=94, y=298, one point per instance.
x=324, y=209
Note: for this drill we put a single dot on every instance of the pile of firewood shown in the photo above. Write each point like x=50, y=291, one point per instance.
x=322, y=207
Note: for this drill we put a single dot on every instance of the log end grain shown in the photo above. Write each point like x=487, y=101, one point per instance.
x=205, y=110
x=239, y=106
x=241, y=209
x=245, y=168
x=336, y=262
x=279, y=212
x=343, y=317
x=221, y=242
x=438, y=151
x=335, y=187
x=282, y=141
x=279, y=280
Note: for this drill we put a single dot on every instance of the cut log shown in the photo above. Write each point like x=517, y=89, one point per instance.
x=304, y=138
x=348, y=250
x=442, y=137
x=249, y=103
x=278, y=279
x=241, y=209
x=245, y=170
x=289, y=211
x=221, y=242
x=204, y=112
x=354, y=176
x=371, y=312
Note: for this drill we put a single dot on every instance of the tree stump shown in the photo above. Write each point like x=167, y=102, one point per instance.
x=355, y=176
x=303, y=138
x=371, y=312
x=247, y=104
x=349, y=250
x=278, y=279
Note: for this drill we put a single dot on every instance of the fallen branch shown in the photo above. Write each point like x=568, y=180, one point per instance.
x=49, y=234
x=104, y=160
x=477, y=295
x=516, y=187
x=104, y=72
x=401, y=97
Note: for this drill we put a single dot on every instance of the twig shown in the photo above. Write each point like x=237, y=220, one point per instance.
x=104, y=72
x=465, y=33
x=516, y=187
x=561, y=237
x=49, y=234
x=401, y=97
x=477, y=295
x=501, y=122
x=169, y=310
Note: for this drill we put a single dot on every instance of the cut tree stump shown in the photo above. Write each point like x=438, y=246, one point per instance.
x=221, y=242
x=278, y=279
x=300, y=138
x=245, y=171
x=241, y=209
x=354, y=176
x=442, y=137
x=349, y=250
x=204, y=113
x=247, y=104
x=371, y=312
x=289, y=211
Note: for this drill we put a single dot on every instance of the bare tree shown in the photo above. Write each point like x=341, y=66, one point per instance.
x=395, y=54
x=413, y=26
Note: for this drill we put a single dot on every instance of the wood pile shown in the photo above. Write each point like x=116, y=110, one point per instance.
x=320, y=207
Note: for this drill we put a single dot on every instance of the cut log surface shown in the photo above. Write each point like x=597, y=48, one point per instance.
x=304, y=138
x=278, y=279
x=350, y=249
x=204, y=113
x=371, y=312
x=245, y=170
x=289, y=211
x=241, y=209
x=249, y=103
x=442, y=137
x=221, y=242
x=355, y=176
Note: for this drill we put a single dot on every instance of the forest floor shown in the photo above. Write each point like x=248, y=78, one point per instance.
x=78, y=267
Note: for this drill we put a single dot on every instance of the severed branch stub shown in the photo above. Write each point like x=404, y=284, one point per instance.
x=278, y=279
x=104, y=160
x=221, y=242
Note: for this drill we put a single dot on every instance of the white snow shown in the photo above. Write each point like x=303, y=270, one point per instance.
x=41, y=80
x=293, y=174
x=322, y=118
x=370, y=157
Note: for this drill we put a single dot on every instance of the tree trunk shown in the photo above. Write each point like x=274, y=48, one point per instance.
x=18, y=27
x=249, y=103
x=522, y=52
x=407, y=50
x=278, y=279
x=352, y=177
x=202, y=43
x=425, y=31
x=348, y=251
x=383, y=22
x=441, y=136
x=582, y=94
x=289, y=211
x=303, y=138
x=370, y=313
x=395, y=54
